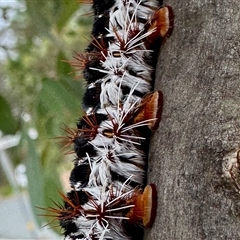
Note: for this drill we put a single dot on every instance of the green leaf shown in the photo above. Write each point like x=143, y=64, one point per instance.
x=66, y=9
x=35, y=176
x=43, y=181
x=51, y=13
x=51, y=188
x=63, y=68
x=8, y=123
x=57, y=100
x=57, y=104
x=40, y=14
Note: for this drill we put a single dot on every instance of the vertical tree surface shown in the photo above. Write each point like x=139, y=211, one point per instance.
x=198, y=73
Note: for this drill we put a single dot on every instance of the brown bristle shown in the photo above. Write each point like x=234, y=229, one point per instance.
x=67, y=140
x=163, y=21
x=156, y=105
x=171, y=22
x=85, y=1
x=149, y=198
x=133, y=31
x=81, y=60
x=122, y=42
x=135, y=214
x=144, y=210
x=101, y=46
x=122, y=130
x=90, y=132
x=60, y=212
x=150, y=108
x=92, y=129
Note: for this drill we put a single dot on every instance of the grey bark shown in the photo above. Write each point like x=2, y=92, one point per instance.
x=199, y=74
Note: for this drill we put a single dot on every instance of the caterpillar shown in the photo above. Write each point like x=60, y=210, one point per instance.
x=109, y=197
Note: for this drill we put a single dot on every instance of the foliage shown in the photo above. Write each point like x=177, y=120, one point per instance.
x=36, y=83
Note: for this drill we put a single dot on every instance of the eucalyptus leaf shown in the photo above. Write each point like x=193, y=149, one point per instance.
x=35, y=176
x=63, y=68
x=65, y=11
x=8, y=123
x=57, y=100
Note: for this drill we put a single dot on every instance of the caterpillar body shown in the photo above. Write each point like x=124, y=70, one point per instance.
x=108, y=198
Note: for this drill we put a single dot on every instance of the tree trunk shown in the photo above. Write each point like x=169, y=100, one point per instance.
x=198, y=73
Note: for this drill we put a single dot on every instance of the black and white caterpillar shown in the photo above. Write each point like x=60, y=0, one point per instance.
x=109, y=197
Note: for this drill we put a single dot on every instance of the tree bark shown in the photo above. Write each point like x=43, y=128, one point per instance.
x=198, y=73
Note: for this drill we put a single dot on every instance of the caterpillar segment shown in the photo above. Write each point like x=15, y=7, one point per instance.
x=109, y=197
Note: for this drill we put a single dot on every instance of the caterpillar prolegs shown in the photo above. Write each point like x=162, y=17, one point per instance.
x=108, y=198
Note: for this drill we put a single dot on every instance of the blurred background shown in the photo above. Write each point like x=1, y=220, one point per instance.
x=38, y=95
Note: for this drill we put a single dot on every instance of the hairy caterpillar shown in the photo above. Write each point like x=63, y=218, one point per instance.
x=108, y=199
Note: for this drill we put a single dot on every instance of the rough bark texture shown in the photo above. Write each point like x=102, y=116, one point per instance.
x=198, y=73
